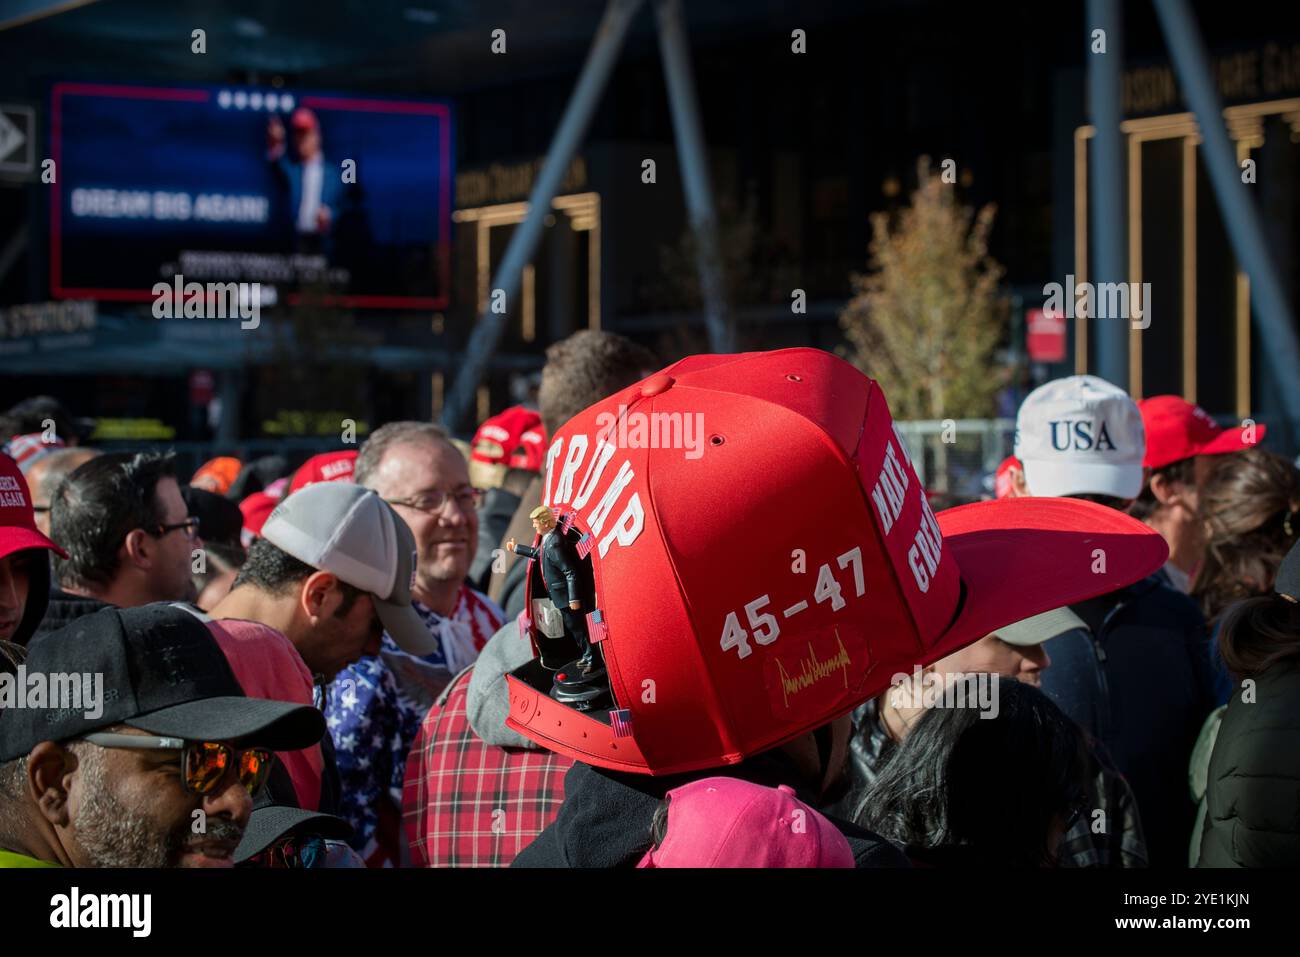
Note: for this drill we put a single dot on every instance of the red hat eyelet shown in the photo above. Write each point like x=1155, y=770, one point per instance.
x=716, y=440
x=794, y=378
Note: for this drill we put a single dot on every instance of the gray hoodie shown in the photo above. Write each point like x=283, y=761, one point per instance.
x=487, y=700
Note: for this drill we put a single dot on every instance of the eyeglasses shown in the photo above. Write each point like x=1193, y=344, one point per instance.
x=296, y=852
x=203, y=763
x=436, y=501
x=191, y=526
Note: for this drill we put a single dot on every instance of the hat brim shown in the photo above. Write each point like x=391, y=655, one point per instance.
x=1083, y=478
x=15, y=539
x=1037, y=629
x=1231, y=440
x=405, y=627
x=278, y=725
x=487, y=474
x=1023, y=556
x=268, y=824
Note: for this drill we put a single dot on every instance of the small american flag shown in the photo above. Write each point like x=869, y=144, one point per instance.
x=525, y=625
x=620, y=720
x=565, y=521
x=584, y=545
x=597, y=630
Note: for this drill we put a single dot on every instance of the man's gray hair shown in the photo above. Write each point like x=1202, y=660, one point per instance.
x=59, y=465
x=385, y=437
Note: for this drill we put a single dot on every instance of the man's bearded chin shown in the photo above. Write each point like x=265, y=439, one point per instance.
x=113, y=835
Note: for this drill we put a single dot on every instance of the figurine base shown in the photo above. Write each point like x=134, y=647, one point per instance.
x=578, y=691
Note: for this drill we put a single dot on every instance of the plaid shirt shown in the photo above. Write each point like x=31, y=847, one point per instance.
x=471, y=804
x=373, y=711
x=1113, y=838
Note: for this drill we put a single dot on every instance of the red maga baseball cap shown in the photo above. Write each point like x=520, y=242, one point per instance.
x=765, y=560
x=530, y=451
x=257, y=508
x=326, y=467
x=17, y=519
x=513, y=439
x=1177, y=429
x=1002, y=487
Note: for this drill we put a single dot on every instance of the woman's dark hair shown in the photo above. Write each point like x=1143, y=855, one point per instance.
x=98, y=505
x=991, y=785
x=1248, y=505
x=1258, y=633
x=273, y=570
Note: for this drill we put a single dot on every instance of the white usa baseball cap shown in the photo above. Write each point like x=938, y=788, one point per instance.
x=1078, y=436
x=351, y=532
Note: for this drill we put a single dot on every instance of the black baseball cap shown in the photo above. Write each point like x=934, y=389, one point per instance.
x=220, y=519
x=270, y=821
x=163, y=673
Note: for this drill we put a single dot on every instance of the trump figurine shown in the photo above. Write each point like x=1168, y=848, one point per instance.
x=570, y=590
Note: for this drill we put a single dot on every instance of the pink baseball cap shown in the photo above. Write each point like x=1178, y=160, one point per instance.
x=726, y=822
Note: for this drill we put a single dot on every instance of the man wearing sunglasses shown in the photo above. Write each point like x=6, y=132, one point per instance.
x=123, y=785
x=128, y=534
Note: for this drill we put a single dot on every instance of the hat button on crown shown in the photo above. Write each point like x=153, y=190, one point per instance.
x=656, y=384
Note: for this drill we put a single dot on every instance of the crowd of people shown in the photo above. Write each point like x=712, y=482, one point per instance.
x=801, y=664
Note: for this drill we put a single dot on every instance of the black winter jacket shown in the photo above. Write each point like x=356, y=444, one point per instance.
x=605, y=818
x=1252, y=798
x=1139, y=680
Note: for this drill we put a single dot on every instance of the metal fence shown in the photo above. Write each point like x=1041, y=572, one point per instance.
x=957, y=456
